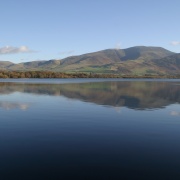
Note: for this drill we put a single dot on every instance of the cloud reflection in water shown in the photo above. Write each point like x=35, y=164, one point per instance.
x=13, y=105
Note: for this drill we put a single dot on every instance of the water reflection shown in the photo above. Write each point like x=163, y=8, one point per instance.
x=59, y=138
x=11, y=105
x=175, y=113
x=135, y=95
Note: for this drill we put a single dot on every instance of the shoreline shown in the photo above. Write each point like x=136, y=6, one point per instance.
x=63, y=75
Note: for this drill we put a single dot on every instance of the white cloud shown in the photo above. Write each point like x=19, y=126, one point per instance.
x=118, y=46
x=15, y=50
x=175, y=43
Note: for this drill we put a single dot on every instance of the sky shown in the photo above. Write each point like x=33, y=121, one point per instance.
x=54, y=29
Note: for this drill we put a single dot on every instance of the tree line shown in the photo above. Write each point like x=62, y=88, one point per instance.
x=50, y=74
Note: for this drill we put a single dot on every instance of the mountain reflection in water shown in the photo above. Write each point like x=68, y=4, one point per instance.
x=131, y=94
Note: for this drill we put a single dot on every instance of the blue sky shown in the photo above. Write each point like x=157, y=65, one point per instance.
x=54, y=29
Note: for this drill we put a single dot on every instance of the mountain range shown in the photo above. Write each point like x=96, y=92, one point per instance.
x=135, y=60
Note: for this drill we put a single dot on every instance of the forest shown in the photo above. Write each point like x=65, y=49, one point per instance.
x=49, y=74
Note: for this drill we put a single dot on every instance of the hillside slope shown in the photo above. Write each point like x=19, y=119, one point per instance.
x=134, y=60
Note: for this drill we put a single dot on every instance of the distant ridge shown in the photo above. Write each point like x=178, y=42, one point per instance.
x=133, y=60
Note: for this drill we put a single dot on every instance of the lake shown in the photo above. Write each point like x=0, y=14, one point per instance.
x=89, y=129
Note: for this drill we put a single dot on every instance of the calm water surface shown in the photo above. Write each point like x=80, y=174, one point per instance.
x=89, y=129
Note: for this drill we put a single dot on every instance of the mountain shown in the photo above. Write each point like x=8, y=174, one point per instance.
x=134, y=60
x=114, y=60
x=5, y=64
x=118, y=55
x=170, y=63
